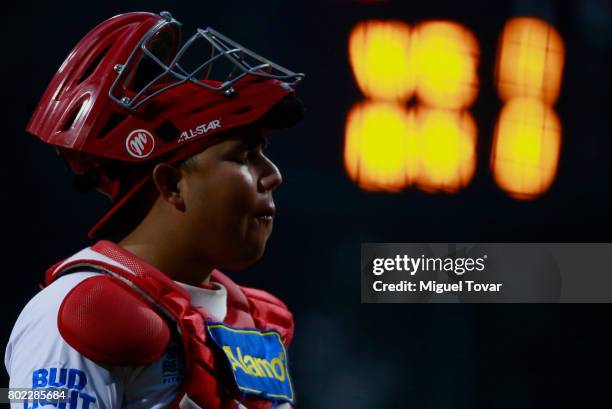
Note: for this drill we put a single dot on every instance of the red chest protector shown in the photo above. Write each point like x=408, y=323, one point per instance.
x=135, y=295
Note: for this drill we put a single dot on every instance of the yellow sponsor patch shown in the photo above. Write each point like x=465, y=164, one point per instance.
x=258, y=360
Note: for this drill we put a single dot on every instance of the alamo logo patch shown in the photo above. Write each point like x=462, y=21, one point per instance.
x=258, y=360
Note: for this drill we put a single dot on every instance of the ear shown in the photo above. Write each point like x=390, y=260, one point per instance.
x=167, y=180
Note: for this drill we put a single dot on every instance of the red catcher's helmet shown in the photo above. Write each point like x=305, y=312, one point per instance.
x=129, y=95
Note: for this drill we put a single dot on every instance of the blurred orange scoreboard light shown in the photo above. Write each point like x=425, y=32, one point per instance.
x=432, y=144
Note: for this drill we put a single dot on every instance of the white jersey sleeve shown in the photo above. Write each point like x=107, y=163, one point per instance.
x=38, y=357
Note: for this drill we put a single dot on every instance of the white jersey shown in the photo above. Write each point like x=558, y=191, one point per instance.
x=37, y=357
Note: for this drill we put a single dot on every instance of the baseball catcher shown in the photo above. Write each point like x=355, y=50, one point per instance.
x=173, y=132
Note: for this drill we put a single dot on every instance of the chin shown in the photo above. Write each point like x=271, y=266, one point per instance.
x=247, y=255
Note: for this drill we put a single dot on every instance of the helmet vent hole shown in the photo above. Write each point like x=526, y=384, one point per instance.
x=167, y=131
x=70, y=120
x=93, y=65
x=113, y=121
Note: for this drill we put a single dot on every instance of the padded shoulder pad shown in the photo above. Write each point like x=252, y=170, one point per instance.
x=270, y=312
x=110, y=324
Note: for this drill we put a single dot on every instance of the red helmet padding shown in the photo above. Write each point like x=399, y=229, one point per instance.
x=111, y=325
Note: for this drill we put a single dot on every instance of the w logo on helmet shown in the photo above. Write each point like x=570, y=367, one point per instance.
x=140, y=143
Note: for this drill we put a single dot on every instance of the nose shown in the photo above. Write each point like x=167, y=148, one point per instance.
x=270, y=178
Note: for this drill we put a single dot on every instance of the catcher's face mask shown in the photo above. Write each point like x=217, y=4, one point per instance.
x=208, y=59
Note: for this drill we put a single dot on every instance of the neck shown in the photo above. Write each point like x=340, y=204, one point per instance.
x=166, y=253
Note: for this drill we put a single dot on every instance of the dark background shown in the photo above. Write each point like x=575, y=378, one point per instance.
x=349, y=355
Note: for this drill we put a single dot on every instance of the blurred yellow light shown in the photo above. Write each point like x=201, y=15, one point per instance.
x=526, y=148
x=380, y=150
x=530, y=60
x=381, y=61
x=448, y=149
x=447, y=58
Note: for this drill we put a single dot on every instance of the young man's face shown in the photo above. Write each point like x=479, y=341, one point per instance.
x=229, y=209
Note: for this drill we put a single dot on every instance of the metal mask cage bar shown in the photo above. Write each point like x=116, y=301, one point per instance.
x=241, y=59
